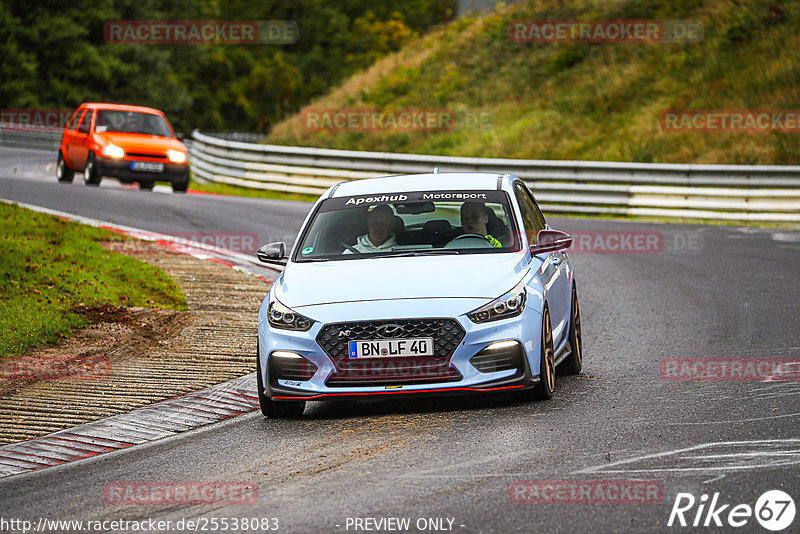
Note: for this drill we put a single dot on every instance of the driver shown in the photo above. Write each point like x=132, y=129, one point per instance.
x=135, y=123
x=380, y=231
x=474, y=218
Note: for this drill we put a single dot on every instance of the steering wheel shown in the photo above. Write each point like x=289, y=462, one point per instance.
x=452, y=243
x=348, y=247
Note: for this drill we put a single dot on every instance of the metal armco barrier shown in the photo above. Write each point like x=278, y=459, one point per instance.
x=29, y=138
x=724, y=192
x=39, y=139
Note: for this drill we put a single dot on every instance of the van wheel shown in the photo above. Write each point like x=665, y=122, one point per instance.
x=63, y=173
x=90, y=174
x=181, y=185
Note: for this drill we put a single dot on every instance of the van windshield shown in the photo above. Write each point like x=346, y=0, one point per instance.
x=131, y=122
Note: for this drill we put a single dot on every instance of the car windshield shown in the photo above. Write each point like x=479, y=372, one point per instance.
x=409, y=224
x=131, y=122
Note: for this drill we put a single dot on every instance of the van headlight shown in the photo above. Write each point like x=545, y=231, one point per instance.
x=113, y=151
x=280, y=316
x=509, y=305
x=176, y=156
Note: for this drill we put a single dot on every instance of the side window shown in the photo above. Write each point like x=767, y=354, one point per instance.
x=86, y=123
x=75, y=119
x=537, y=213
x=528, y=211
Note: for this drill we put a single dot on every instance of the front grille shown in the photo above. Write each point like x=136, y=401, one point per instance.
x=142, y=155
x=446, y=334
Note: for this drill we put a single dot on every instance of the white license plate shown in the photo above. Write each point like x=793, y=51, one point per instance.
x=147, y=166
x=391, y=348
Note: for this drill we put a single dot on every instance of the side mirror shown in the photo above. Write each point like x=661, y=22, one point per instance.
x=271, y=253
x=550, y=240
x=179, y=136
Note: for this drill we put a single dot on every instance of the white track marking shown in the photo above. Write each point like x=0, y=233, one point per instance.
x=759, y=449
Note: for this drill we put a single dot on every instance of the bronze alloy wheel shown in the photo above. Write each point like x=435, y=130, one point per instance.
x=574, y=362
x=547, y=369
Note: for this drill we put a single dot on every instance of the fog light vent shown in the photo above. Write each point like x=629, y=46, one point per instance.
x=290, y=366
x=500, y=356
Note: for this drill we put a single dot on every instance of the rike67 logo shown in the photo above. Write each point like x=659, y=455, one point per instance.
x=774, y=510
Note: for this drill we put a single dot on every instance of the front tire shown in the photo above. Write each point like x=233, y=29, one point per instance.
x=182, y=185
x=574, y=362
x=90, y=174
x=547, y=369
x=275, y=409
x=64, y=174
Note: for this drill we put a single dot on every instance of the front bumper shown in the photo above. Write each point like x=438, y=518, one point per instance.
x=121, y=170
x=465, y=378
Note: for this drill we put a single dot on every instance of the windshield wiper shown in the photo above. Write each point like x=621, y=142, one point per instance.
x=448, y=252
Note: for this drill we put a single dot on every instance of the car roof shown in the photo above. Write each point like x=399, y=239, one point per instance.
x=120, y=107
x=451, y=181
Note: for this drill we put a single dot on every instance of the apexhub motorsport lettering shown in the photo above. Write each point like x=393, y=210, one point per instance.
x=382, y=199
x=454, y=196
x=401, y=197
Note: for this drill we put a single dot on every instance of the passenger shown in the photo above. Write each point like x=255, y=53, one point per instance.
x=380, y=231
x=474, y=218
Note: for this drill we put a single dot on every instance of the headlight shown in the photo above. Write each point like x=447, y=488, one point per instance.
x=176, y=156
x=279, y=316
x=509, y=305
x=113, y=151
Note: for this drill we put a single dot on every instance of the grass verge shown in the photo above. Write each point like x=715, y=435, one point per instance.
x=579, y=101
x=49, y=267
x=225, y=189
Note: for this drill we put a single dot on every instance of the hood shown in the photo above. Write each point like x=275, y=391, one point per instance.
x=140, y=142
x=485, y=276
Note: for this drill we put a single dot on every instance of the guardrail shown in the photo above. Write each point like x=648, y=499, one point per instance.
x=41, y=139
x=30, y=138
x=732, y=192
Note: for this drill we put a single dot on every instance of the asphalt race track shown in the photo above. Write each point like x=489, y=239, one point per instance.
x=723, y=292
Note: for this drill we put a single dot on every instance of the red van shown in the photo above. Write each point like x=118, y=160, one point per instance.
x=129, y=143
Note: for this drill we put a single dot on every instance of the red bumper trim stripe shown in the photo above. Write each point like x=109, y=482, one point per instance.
x=322, y=395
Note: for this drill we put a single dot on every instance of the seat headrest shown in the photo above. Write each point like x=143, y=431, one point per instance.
x=437, y=226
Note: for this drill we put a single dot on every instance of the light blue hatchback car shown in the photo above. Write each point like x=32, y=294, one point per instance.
x=418, y=285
